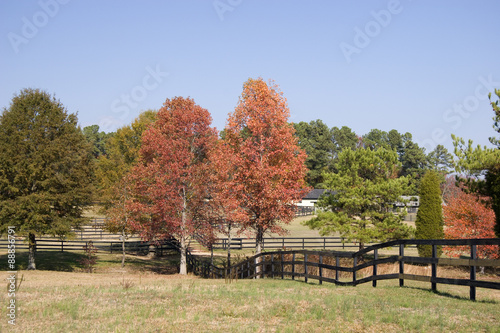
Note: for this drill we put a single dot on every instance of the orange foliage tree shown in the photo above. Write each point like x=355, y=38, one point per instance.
x=224, y=209
x=269, y=166
x=467, y=217
x=170, y=189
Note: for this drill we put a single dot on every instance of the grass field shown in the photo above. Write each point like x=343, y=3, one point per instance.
x=147, y=296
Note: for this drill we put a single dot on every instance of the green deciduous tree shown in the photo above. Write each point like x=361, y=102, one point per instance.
x=122, y=153
x=363, y=192
x=429, y=222
x=45, y=168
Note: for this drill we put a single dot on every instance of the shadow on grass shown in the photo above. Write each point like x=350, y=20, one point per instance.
x=46, y=260
x=69, y=261
x=168, y=264
x=448, y=295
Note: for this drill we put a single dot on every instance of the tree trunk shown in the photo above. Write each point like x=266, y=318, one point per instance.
x=229, y=240
x=259, y=239
x=32, y=251
x=123, y=248
x=183, y=265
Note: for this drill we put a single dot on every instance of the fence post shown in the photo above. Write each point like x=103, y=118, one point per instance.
x=401, y=265
x=62, y=246
x=272, y=266
x=324, y=243
x=282, y=266
x=434, y=268
x=305, y=267
x=111, y=247
x=320, y=269
x=354, y=265
x=303, y=244
x=336, y=267
x=375, y=258
x=473, y=256
x=293, y=266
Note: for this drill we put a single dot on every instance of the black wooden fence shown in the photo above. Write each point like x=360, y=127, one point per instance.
x=328, y=266
x=136, y=247
x=285, y=243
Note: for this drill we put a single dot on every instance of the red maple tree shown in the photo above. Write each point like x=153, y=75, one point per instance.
x=226, y=212
x=170, y=180
x=465, y=216
x=269, y=166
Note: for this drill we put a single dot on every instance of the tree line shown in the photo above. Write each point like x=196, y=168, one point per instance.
x=170, y=174
x=323, y=146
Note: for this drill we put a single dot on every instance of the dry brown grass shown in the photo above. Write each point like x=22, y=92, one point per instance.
x=80, y=302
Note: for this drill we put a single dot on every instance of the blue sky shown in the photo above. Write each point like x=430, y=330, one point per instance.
x=423, y=67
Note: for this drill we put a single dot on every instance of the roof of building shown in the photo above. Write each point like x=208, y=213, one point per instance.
x=315, y=194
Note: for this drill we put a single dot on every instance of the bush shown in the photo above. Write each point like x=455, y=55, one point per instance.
x=90, y=258
x=429, y=222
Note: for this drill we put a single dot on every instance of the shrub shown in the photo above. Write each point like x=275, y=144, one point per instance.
x=429, y=222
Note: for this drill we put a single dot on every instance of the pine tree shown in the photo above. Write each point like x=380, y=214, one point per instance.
x=429, y=222
x=45, y=168
x=362, y=193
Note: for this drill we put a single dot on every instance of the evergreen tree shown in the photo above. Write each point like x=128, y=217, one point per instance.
x=414, y=162
x=315, y=139
x=97, y=139
x=376, y=139
x=342, y=138
x=363, y=192
x=429, y=220
x=45, y=168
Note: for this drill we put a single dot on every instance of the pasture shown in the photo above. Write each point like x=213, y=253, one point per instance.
x=147, y=296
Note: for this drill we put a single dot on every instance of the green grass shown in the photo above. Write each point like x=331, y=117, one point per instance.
x=60, y=298
x=79, y=302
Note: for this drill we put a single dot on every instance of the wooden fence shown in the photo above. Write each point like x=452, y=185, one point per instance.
x=286, y=243
x=136, y=247
x=333, y=266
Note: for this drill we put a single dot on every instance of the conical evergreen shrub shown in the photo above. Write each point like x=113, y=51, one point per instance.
x=429, y=222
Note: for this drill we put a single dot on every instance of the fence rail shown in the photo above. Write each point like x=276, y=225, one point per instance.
x=137, y=247
x=326, y=266
x=286, y=243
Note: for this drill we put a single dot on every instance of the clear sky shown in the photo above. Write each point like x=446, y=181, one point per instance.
x=423, y=67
